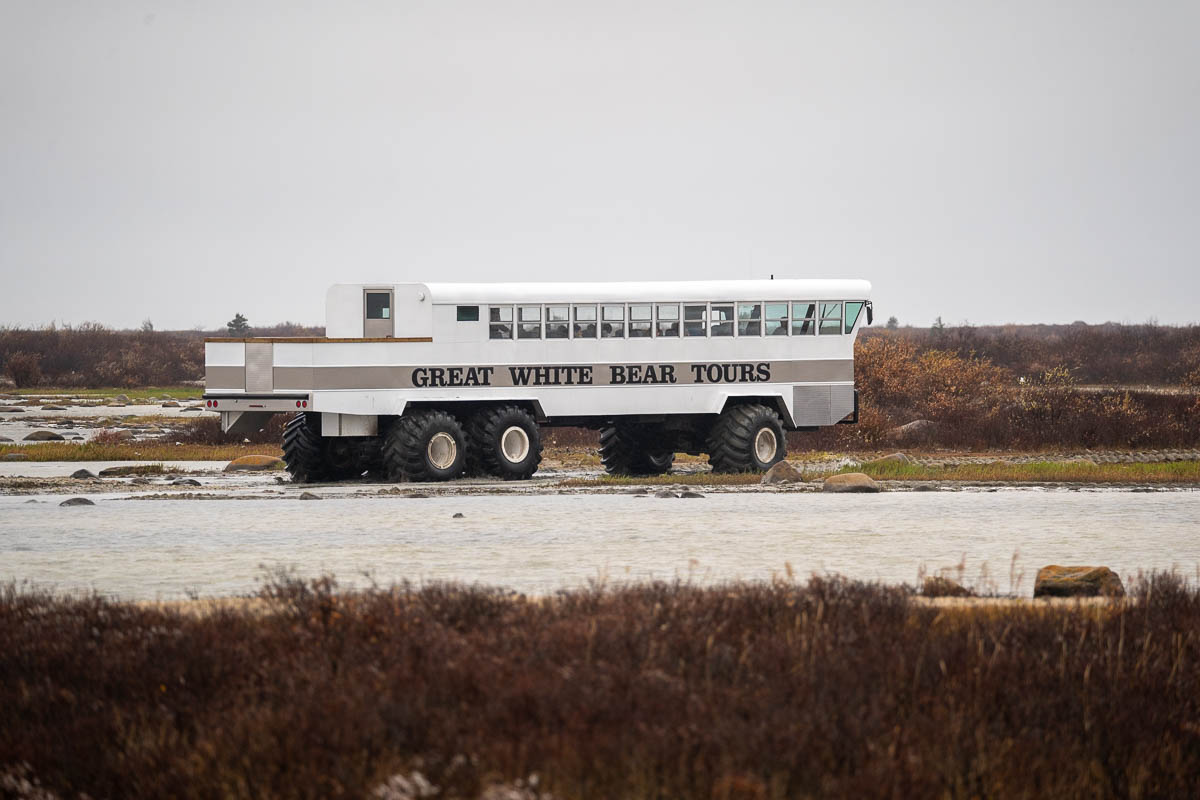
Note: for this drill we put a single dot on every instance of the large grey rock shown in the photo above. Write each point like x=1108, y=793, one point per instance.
x=45, y=436
x=185, y=482
x=12, y=409
x=5, y=439
x=1056, y=581
x=83, y=474
x=311, y=496
x=77, y=501
x=916, y=431
x=783, y=472
x=54, y=408
x=687, y=493
x=121, y=398
x=850, y=482
x=170, y=404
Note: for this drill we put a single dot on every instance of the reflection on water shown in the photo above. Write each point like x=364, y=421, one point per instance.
x=540, y=543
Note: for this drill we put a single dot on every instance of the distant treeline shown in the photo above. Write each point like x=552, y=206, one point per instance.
x=1092, y=354
x=92, y=355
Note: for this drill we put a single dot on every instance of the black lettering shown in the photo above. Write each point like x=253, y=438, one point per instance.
x=617, y=374
x=437, y=376
x=668, y=373
x=745, y=373
x=585, y=375
x=764, y=371
x=472, y=377
x=456, y=374
x=698, y=373
x=420, y=377
x=715, y=373
x=485, y=375
x=520, y=375
x=636, y=375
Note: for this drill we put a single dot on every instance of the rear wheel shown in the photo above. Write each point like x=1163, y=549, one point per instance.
x=625, y=450
x=506, y=442
x=425, y=446
x=302, y=449
x=746, y=438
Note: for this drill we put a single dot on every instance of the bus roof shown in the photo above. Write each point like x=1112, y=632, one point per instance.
x=651, y=291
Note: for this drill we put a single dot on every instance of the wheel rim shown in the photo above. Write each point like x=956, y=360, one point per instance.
x=514, y=444
x=765, y=445
x=442, y=450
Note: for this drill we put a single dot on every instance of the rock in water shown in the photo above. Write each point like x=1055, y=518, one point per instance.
x=664, y=493
x=45, y=436
x=83, y=474
x=1056, y=581
x=254, y=463
x=311, y=496
x=457, y=515
x=783, y=472
x=850, y=482
x=686, y=494
x=77, y=501
x=185, y=482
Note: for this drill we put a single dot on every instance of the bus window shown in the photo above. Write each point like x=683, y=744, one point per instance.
x=852, y=312
x=585, y=322
x=831, y=318
x=722, y=319
x=776, y=322
x=639, y=322
x=613, y=325
x=558, y=322
x=529, y=322
x=804, y=318
x=468, y=313
x=668, y=320
x=749, y=319
x=694, y=318
x=500, y=321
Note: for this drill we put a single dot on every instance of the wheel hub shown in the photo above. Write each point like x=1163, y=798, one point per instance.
x=514, y=444
x=765, y=445
x=442, y=450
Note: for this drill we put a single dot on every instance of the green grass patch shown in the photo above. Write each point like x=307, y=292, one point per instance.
x=140, y=451
x=179, y=392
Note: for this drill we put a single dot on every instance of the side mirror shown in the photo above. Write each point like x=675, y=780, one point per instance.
x=870, y=312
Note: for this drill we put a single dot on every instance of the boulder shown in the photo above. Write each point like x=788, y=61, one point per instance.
x=54, y=408
x=457, y=515
x=45, y=436
x=119, y=435
x=665, y=493
x=916, y=431
x=190, y=408
x=311, y=496
x=687, y=493
x=1056, y=581
x=83, y=474
x=783, y=472
x=122, y=399
x=850, y=482
x=77, y=501
x=937, y=586
x=15, y=457
x=185, y=482
x=254, y=463
x=131, y=469
x=12, y=409
x=170, y=404
x=5, y=439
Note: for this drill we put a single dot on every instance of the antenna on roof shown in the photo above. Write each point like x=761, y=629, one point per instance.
x=772, y=276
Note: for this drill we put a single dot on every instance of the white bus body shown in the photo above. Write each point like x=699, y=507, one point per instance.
x=666, y=358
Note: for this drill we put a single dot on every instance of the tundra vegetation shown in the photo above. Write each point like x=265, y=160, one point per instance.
x=783, y=689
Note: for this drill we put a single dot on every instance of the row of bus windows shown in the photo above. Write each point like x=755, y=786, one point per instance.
x=667, y=320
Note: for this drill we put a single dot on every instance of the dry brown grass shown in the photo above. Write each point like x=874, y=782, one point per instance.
x=139, y=451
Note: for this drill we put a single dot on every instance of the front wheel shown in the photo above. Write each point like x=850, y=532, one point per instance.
x=746, y=438
x=425, y=446
x=505, y=442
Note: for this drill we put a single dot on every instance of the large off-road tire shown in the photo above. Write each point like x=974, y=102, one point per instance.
x=302, y=449
x=505, y=442
x=746, y=438
x=425, y=446
x=624, y=450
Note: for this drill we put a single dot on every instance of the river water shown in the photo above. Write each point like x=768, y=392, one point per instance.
x=148, y=549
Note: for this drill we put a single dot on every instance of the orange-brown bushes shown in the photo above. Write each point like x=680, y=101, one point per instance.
x=831, y=688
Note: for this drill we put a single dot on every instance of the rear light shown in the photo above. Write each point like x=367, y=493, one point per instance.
x=297, y=404
x=214, y=405
x=306, y=404
x=208, y=403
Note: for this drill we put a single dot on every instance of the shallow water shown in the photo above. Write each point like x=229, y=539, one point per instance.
x=150, y=549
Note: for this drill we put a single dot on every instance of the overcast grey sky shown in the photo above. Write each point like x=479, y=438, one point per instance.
x=993, y=162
